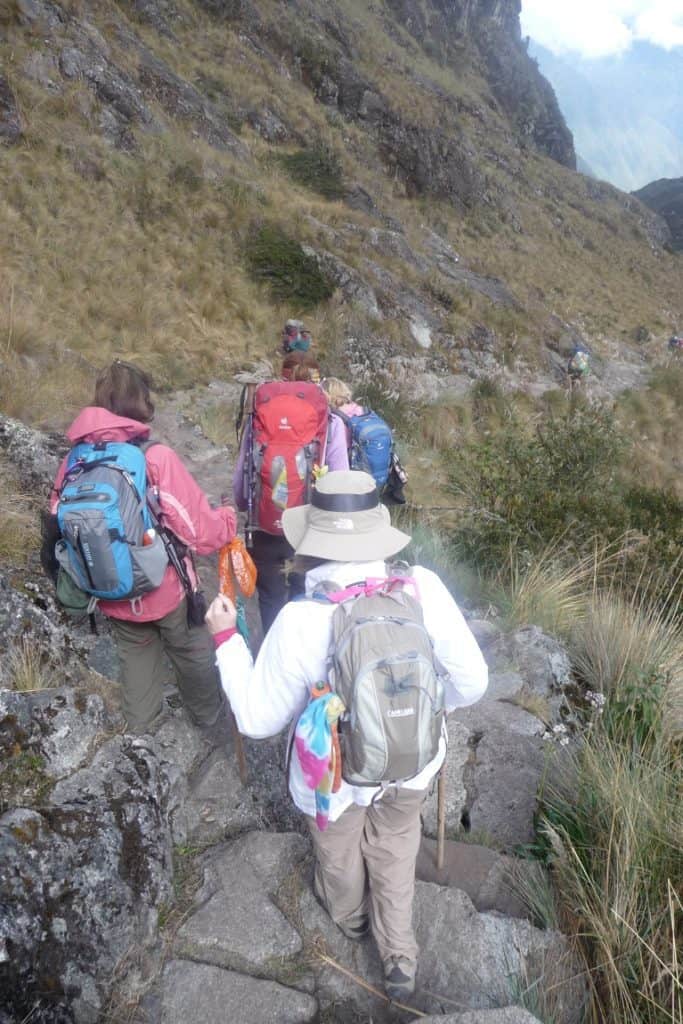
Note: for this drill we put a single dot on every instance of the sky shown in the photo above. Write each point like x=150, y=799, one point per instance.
x=600, y=28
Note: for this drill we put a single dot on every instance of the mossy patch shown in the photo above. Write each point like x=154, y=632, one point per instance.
x=292, y=276
x=23, y=780
x=316, y=167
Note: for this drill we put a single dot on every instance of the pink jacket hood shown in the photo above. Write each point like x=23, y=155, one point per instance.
x=95, y=424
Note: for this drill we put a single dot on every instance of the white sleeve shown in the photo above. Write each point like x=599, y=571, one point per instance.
x=266, y=696
x=454, y=644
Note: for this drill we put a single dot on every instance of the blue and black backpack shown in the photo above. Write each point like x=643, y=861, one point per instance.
x=107, y=545
x=372, y=445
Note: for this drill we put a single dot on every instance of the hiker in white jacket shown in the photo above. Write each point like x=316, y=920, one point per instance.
x=365, y=858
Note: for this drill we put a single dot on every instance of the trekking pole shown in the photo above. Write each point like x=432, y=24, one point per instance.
x=239, y=748
x=440, y=817
x=249, y=466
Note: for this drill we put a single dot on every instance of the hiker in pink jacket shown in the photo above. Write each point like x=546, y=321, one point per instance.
x=155, y=624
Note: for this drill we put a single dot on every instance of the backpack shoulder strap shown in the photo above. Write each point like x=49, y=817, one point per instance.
x=342, y=416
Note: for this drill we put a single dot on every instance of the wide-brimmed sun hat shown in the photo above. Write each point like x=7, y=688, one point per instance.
x=345, y=521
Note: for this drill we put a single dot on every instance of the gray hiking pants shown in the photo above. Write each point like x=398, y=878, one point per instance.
x=365, y=862
x=141, y=648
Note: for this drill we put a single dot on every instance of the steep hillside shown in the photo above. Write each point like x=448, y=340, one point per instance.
x=665, y=197
x=178, y=176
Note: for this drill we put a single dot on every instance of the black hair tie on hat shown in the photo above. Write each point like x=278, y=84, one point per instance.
x=345, y=502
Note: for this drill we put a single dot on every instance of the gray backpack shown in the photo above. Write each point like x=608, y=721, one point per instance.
x=383, y=667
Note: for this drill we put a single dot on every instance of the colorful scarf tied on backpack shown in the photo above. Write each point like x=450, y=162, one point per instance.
x=317, y=747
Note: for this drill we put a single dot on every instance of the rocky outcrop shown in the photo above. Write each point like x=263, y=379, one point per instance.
x=10, y=119
x=442, y=27
x=508, y=1015
x=83, y=876
x=665, y=197
x=34, y=454
x=501, y=747
x=32, y=631
x=124, y=101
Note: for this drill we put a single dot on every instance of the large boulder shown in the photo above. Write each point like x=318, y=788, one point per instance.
x=479, y=961
x=237, y=923
x=60, y=727
x=468, y=960
x=492, y=880
x=507, y=1015
x=199, y=992
x=35, y=455
x=83, y=876
x=34, y=640
x=501, y=747
x=217, y=804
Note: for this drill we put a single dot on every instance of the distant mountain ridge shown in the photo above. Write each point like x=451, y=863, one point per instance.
x=626, y=112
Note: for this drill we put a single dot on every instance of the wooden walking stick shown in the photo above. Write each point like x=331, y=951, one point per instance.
x=440, y=817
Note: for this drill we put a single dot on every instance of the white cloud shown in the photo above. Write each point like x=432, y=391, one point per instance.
x=597, y=28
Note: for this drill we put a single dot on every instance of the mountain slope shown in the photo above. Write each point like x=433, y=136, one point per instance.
x=665, y=197
x=164, y=161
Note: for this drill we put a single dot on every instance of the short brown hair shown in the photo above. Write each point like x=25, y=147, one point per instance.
x=290, y=363
x=125, y=390
x=308, y=368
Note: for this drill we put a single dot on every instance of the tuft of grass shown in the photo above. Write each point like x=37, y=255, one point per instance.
x=545, y=591
x=615, y=847
x=629, y=644
x=19, y=525
x=28, y=668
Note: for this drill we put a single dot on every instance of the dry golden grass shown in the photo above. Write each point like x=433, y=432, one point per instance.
x=19, y=519
x=28, y=669
x=141, y=256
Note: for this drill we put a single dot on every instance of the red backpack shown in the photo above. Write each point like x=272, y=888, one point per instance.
x=289, y=438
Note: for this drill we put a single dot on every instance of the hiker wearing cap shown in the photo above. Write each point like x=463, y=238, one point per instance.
x=300, y=408
x=295, y=337
x=366, y=836
x=578, y=366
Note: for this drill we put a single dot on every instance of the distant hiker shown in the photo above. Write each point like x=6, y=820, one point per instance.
x=288, y=438
x=578, y=366
x=130, y=517
x=363, y=757
x=675, y=344
x=295, y=337
x=370, y=441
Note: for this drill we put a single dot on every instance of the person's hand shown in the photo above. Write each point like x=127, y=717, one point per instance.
x=221, y=615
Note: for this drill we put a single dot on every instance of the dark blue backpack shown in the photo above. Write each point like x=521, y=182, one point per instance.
x=371, y=445
x=103, y=517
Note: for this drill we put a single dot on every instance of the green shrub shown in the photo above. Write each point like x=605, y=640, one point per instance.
x=316, y=167
x=523, y=489
x=280, y=262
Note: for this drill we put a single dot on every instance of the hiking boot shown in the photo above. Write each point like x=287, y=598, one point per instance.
x=357, y=929
x=399, y=977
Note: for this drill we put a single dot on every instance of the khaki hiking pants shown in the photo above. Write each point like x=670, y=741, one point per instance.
x=141, y=648
x=365, y=862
